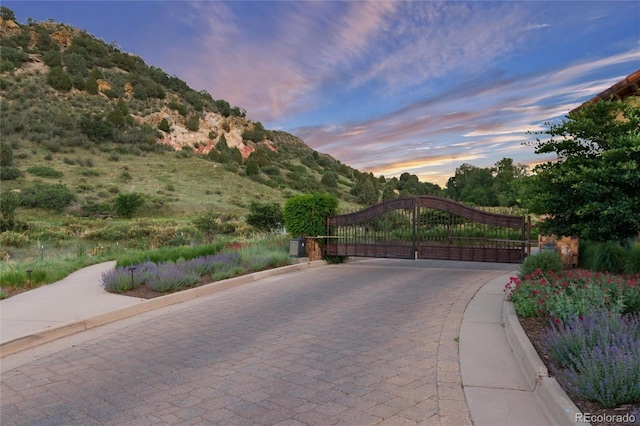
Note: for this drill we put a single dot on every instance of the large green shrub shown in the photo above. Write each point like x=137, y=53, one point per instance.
x=306, y=215
x=545, y=261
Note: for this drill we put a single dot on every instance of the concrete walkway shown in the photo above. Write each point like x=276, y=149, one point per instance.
x=471, y=363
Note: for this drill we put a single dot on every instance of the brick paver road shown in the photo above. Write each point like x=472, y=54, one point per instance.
x=368, y=342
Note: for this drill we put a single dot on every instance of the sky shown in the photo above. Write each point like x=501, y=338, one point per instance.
x=383, y=86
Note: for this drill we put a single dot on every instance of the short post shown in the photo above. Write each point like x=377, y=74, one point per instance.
x=132, y=268
x=42, y=252
x=29, y=271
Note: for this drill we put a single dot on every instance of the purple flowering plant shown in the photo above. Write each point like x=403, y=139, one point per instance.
x=170, y=276
x=599, y=356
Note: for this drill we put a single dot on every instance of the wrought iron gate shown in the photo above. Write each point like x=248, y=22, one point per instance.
x=428, y=227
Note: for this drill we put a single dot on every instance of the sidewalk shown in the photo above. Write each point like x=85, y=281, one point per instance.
x=504, y=381
x=75, y=298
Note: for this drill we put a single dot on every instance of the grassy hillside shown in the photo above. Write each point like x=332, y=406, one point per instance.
x=82, y=114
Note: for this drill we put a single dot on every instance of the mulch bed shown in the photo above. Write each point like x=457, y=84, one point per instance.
x=145, y=292
x=535, y=328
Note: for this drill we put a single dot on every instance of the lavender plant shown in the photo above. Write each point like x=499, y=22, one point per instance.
x=173, y=276
x=119, y=280
x=224, y=261
x=566, y=341
x=170, y=276
x=600, y=353
x=609, y=375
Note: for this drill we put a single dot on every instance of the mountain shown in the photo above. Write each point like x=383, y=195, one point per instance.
x=86, y=119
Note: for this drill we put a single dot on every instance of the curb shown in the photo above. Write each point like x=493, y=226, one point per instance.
x=63, y=330
x=558, y=407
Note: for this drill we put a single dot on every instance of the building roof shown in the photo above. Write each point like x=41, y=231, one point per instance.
x=625, y=88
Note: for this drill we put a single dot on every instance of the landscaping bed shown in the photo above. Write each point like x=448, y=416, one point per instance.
x=535, y=328
x=586, y=329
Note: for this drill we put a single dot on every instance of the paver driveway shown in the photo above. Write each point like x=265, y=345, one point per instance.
x=368, y=342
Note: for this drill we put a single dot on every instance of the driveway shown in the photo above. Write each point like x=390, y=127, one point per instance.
x=368, y=342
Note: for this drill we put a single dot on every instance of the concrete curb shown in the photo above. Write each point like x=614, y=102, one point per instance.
x=558, y=407
x=45, y=336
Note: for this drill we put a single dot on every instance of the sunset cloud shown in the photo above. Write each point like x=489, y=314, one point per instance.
x=383, y=86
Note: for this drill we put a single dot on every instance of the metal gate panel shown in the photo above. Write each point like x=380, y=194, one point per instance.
x=383, y=230
x=449, y=230
x=428, y=227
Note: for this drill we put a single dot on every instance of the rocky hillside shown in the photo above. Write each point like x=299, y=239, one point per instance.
x=89, y=64
x=83, y=115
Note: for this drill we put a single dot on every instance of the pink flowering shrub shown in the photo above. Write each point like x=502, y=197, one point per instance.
x=559, y=296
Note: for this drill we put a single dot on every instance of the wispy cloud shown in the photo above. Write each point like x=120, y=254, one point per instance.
x=275, y=67
x=429, y=78
x=511, y=111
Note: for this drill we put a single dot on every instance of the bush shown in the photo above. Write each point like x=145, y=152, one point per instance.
x=211, y=223
x=7, y=66
x=329, y=179
x=75, y=63
x=59, y=80
x=632, y=262
x=600, y=353
x=9, y=173
x=14, y=239
x=164, y=125
x=48, y=197
x=572, y=293
x=6, y=154
x=182, y=110
x=127, y=204
x=96, y=127
x=306, y=215
x=270, y=170
x=52, y=58
x=265, y=216
x=119, y=280
x=252, y=168
x=604, y=257
x=167, y=277
x=9, y=202
x=544, y=261
x=45, y=171
x=193, y=122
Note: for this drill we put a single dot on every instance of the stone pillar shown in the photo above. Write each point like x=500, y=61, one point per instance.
x=314, y=249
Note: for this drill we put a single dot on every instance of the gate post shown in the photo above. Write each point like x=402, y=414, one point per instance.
x=313, y=248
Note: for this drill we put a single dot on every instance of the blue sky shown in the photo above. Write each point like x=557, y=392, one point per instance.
x=383, y=86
